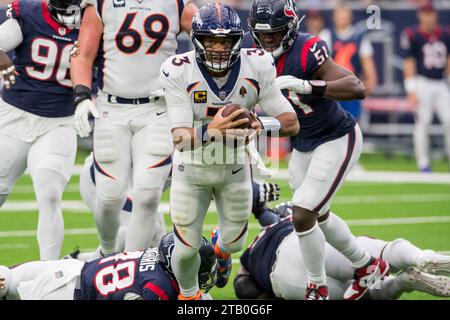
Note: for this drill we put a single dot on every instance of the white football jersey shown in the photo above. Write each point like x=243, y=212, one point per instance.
x=193, y=95
x=138, y=36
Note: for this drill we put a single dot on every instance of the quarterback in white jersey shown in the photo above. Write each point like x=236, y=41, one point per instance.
x=132, y=137
x=197, y=85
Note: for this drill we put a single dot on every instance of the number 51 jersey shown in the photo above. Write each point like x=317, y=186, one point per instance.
x=137, y=37
x=43, y=86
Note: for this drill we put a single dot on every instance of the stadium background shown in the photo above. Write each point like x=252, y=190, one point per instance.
x=384, y=197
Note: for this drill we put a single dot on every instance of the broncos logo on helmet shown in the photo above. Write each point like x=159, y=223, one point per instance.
x=66, y=12
x=207, y=274
x=273, y=16
x=219, y=21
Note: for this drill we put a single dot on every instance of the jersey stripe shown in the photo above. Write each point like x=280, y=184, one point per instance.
x=157, y=290
x=344, y=166
x=305, y=51
x=100, y=4
x=15, y=6
x=162, y=163
x=180, y=5
x=280, y=64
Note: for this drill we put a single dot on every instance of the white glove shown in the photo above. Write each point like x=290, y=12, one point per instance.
x=9, y=76
x=294, y=84
x=81, y=118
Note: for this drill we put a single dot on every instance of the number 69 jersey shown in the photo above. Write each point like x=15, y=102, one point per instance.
x=137, y=37
x=43, y=86
x=192, y=94
x=135, y=273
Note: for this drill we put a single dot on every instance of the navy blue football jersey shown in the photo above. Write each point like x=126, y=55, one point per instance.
x=264, y=248
x=430, y=50
x=139, y=272
x=320, y=119
x=43, y=86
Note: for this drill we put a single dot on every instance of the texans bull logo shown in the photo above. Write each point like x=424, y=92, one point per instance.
x=289, y=9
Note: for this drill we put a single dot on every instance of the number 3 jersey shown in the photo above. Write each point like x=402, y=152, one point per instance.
x=129, y=273
x=137, y=37
x=320, y=119
x=193, y=95
x=43, y=86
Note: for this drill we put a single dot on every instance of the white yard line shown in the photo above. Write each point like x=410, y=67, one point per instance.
x=355, y=222
x=79, y=206
x=365, y=176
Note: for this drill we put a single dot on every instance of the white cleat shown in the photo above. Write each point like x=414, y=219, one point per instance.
x=434, y=263
x=416, y=280
x=5, y=276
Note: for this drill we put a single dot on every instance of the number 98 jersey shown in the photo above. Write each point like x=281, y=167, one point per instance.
x=138, y=36
x=43, y=86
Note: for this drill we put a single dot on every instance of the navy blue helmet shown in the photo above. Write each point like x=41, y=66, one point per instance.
x=283, y=209
x=270, y=16
x=207, y=274
x=66, y=12
x=217, y=20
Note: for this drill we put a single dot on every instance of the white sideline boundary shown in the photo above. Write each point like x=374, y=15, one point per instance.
x=354, y=222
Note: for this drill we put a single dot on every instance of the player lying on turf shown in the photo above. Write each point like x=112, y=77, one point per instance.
x=284, y=274
x=139, y=275
x=262, y=193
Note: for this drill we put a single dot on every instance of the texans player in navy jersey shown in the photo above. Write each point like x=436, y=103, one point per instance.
x=426, y=50
x=139, y=275
x=284, y=274
x=36, y=108
x=327, y=146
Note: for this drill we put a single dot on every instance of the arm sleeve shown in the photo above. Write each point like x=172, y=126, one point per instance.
x=10, y=35
x=271, y=100
x=366, y=48
x=178, y=103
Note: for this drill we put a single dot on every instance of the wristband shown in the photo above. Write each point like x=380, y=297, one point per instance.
x=81, y=93
x=318, y=87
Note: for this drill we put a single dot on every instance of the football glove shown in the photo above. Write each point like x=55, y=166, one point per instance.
x=9, y=76
x=268, y=192
x=81, y=118
x=294, y=84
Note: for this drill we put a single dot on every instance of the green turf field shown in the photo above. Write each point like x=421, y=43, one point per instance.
x=417, y=212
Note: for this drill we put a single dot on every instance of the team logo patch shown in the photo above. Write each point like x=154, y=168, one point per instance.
x=181, y=167
x=62, y=31
x=222, y=95
x=119, y=3
x=289, y=9
x=200, y=96
x=242, y=91
x=59, y=274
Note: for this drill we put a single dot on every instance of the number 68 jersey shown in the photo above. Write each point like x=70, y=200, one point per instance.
x=43, y=86
x=137, y=37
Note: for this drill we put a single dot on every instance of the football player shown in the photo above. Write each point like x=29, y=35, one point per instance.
x=132, y=139
x=262, y=193
x=36, y=109
x=426, y=50
x=285, y=275
x=139, y=275
x=198, y=84
x=325, y=149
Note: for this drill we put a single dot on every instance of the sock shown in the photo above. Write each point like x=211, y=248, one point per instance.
x=312, y=246
x=49, y=186
x=338, y=235
x=185, y=265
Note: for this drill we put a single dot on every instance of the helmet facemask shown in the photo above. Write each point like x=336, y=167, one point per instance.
x=69, y=15
x=218, y=61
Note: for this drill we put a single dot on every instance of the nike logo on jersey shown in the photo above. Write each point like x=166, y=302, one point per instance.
x=160, y=113
x=236, y=171
x=165, y=73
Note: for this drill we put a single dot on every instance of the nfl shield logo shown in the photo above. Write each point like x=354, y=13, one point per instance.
x=62, y=31
x=222, y=95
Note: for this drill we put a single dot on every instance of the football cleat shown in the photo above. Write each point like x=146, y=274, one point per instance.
x=365, y=278
x=413, y=279
x=431, y=262
x=224, y=261
x=198, y=296
x=314, y=292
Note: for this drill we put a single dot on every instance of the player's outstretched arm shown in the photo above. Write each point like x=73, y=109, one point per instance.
x=341, y=83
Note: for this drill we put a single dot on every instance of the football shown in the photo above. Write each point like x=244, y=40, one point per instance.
x=232, y=108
